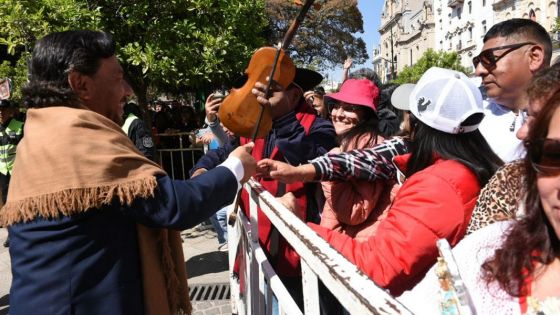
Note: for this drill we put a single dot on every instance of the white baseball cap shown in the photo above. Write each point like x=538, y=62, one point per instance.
x=443, y=99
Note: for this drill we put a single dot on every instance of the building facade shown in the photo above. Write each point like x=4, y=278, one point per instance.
x=407, y=31
x=461, y=24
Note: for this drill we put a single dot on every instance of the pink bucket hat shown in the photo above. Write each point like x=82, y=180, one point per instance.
x=357, y=92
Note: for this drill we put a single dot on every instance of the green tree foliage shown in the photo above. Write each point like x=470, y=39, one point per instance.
x=166, y=46
x=327, y=35
x=431, y=58
x=556, y=26
x=17, y=73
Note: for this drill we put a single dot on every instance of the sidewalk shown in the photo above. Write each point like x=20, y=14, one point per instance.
x=5, y=273
x=205, y=265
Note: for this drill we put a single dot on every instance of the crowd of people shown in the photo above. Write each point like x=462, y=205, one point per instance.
x=380, y=171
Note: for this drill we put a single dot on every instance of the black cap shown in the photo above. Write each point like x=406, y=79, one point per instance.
x=306, y=79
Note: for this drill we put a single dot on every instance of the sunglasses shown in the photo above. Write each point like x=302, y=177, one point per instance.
x=489, y=60
x=545, y=156
x=345, y=107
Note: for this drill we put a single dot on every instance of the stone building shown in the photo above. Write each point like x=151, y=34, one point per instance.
x=407, y=31
x=460, y=25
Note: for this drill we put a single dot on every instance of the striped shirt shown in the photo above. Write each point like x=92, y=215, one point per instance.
x=362, y=164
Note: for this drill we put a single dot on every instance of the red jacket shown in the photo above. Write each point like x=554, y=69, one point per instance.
x=434, y=203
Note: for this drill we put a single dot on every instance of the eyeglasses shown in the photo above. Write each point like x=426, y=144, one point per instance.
x=489, y=60
x=345, y=107
x=545, y=156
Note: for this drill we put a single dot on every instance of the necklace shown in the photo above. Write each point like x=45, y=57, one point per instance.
x=512, y=126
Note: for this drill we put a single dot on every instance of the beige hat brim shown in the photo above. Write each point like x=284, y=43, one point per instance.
x=401, y=96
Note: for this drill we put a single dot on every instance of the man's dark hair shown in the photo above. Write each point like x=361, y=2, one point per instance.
x=319, y=90
x=132, y=108
x=366, y=73
x=525, y=29
x=55, y=56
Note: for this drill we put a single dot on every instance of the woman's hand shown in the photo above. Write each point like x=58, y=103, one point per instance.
x=211, y=107
x=285, y=172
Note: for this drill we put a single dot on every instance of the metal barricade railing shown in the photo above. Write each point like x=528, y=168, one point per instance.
x=178, y=158
x=254, y=282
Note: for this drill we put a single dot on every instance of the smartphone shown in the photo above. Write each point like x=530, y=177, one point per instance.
x=218, y=95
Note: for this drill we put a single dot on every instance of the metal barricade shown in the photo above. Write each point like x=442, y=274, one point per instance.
x=254, y=282
x=175, y=156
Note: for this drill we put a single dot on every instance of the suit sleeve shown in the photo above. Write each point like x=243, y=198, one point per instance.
x=214, y=157
x=180, y=204
x=404, y=246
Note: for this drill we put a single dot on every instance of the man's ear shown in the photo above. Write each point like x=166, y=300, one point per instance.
x=80, y=84
x=295, y=94
x=537, y=60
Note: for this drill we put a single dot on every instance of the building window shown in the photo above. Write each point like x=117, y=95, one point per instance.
x=483, y=27
x=470, y=33
x=459, y=13
x=470, y=7
x=532, y=15
x=483, y=3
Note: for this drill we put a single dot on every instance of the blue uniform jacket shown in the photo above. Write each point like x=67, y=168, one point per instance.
x=89, y=263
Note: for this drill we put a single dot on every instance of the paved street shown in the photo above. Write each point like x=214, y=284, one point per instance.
x=205, y=265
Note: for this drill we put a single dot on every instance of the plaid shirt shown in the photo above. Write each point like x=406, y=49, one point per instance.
x=365, y=164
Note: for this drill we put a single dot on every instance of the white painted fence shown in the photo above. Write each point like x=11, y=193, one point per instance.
x=252, y=291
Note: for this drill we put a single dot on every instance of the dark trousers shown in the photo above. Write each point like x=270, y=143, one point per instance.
x=4, y=182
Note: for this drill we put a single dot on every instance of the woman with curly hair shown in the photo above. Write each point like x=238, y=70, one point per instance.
x=513, y=267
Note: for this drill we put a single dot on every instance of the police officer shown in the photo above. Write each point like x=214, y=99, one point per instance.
x=11, y=132
x=137, y=130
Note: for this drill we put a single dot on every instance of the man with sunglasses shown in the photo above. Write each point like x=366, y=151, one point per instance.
x=513, y=51
x=499, y=199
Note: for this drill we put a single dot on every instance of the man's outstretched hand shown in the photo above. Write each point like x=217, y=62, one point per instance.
x=243, y=153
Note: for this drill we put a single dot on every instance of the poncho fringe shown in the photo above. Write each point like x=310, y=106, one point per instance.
x=76, y=200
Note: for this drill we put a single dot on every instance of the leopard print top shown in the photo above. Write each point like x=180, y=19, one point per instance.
x=500, y=199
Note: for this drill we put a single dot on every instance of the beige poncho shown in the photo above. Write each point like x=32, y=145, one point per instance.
x=73, y=160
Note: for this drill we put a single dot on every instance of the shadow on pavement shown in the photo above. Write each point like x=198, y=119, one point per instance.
x=4, y=301
x=205, y=231
x=202, y=264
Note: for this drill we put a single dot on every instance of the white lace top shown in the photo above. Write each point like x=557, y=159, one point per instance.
x=470, y=254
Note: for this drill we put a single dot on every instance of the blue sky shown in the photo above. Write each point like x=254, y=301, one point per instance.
x=371, y=13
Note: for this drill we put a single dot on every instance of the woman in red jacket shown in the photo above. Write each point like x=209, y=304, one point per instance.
x=448, y=163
